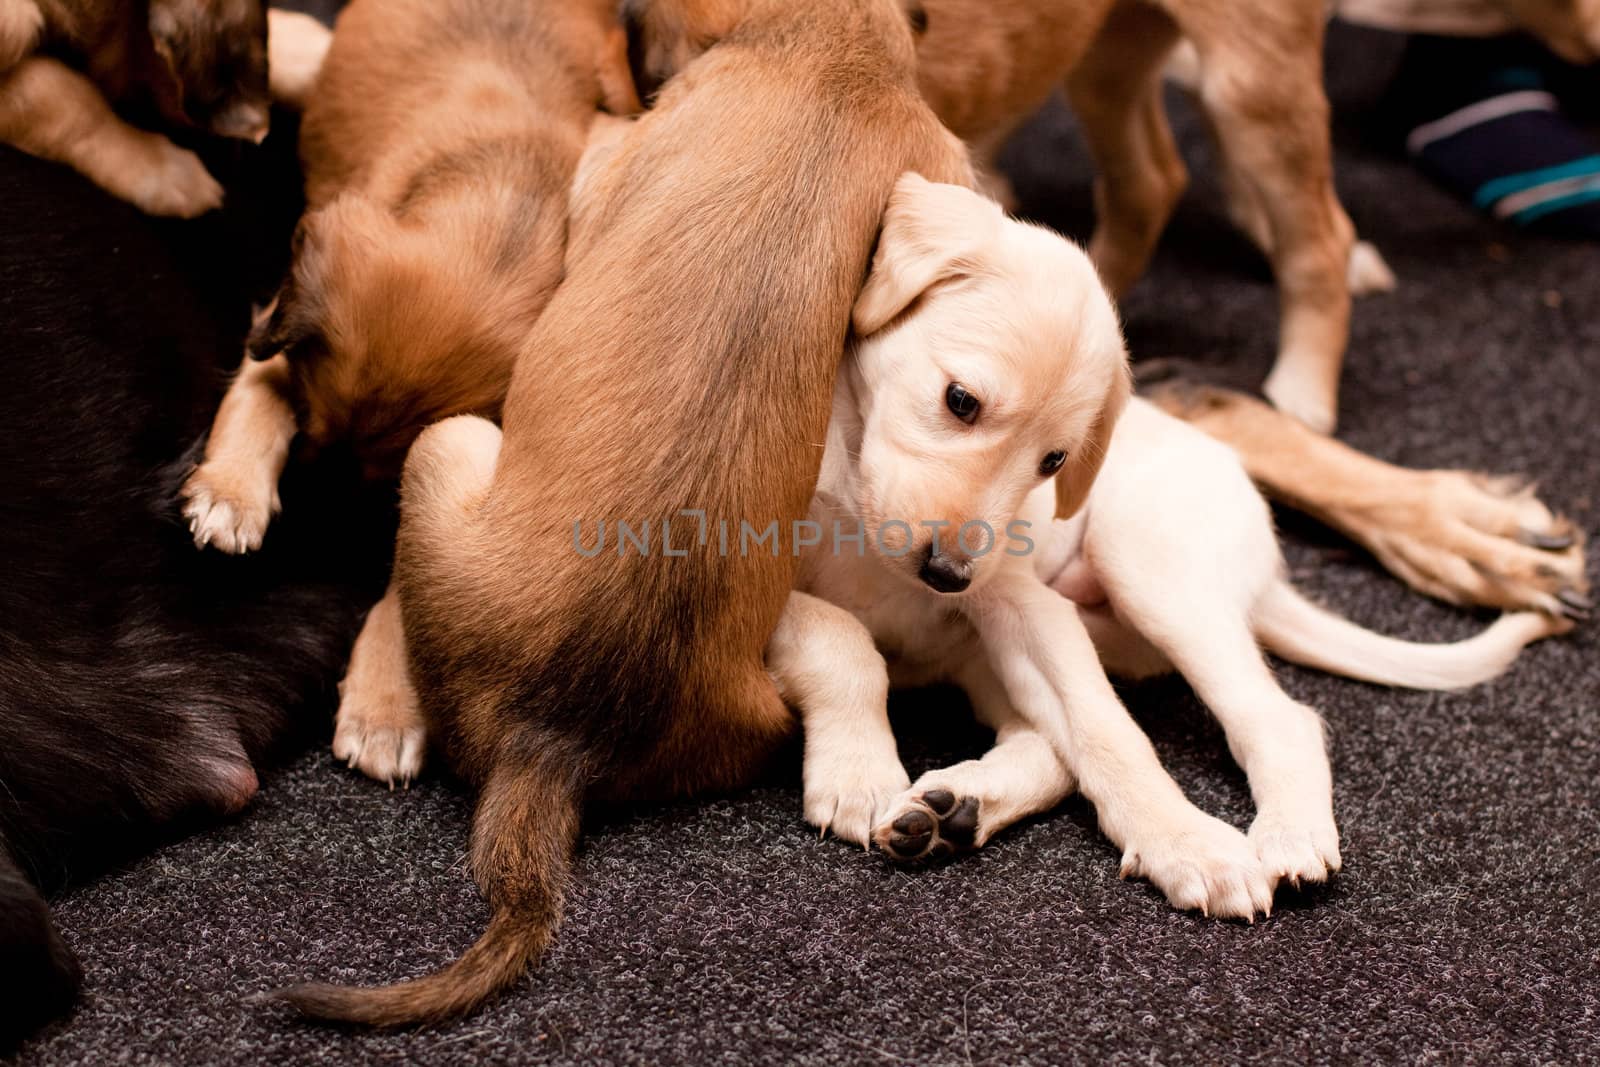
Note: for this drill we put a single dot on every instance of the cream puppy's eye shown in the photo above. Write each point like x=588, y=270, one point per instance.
x=962, y=404
x=1051, y=463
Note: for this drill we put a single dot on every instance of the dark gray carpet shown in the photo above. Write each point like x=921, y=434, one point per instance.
x=1463, y=929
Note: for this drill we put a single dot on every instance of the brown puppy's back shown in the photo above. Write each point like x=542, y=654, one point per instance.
x=687, y=362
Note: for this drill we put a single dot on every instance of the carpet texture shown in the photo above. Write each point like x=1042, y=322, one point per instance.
x=1464, y=928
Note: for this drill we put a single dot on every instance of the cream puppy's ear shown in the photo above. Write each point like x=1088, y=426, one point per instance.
x=1077, y=477
x=931, y=233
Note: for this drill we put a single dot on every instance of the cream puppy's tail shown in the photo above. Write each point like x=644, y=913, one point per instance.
x=1291, y=626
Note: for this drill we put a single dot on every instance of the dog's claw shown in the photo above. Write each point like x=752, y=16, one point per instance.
x=1547, y=542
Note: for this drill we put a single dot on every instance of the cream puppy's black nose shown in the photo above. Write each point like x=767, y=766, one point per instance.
x=946, y=573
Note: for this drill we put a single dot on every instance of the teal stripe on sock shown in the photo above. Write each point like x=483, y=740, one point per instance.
x=1489, y=192
x=1539, y=211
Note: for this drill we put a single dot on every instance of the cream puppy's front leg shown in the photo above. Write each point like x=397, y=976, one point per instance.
x=233, y=493
x=825, y=664
x=1043, y=656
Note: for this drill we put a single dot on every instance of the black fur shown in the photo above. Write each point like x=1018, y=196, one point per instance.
x=140, y=679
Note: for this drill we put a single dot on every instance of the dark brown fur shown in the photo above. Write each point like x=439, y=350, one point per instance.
x=199, y=63
x=686, y=362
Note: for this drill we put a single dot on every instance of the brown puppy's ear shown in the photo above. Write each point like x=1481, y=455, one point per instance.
x=291, y=321
x=1077, y=477
x=931, y=233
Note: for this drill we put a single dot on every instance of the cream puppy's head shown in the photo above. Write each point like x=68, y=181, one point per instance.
x=988, y=361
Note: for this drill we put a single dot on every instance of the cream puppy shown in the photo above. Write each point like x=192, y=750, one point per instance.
x=954, y=419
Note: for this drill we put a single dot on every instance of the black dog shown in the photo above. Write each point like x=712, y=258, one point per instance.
x=140, y=680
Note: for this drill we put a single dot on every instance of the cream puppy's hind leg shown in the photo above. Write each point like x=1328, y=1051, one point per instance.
x=825, y=664
x=379, y=728
x=233, y=494
x=1189, y=588
x=954, y=809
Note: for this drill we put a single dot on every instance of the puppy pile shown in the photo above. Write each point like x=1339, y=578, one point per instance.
x=747, y=403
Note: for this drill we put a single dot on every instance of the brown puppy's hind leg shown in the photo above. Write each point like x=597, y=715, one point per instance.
x=1462, y=537
x=1116, y=93
x=379, y=729
x=51, y=111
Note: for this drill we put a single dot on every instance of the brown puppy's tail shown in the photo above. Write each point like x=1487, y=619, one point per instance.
x=522, y=840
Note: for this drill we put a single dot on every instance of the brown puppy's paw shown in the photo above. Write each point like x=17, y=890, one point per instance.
x=380, y=733
x=171, y=181
x=1478, y=540
x=228, y=507
x=929, y=826
x=21, y=25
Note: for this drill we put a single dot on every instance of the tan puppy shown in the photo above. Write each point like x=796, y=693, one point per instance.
x=987, y=64
x=685, y=363
x=439, y=148
x=197, y=64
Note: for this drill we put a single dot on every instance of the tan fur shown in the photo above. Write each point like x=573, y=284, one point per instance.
x=438, y=147
x=1465, y=538
x=65, y=63
x=439, y=142
x=987, y=64
x=686, y=362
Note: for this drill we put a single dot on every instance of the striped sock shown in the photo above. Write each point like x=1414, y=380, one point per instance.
x=1505, y=145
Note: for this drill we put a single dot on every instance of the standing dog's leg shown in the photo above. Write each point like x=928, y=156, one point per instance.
x=51, y=111
x=1263, y=90
x=1462, y=537
x=233, y=494
x=825, y=665
x=1043, y=657
x=957, y=808
x=379, y=729
x=1116, y=93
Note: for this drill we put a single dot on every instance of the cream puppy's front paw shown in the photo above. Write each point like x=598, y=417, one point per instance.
x=849, y=798
x=173, y=182
x=1296, y=851
x=1203, y=865
x=380, y=732
x=229, y=505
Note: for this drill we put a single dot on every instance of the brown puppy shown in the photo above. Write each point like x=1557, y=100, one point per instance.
x=439, y=146
x=985, y=65
x=198, y=64
x=686, y=362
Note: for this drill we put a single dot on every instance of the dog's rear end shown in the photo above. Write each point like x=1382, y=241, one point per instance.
x=709, y=305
